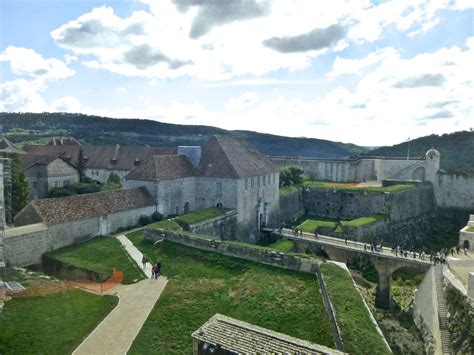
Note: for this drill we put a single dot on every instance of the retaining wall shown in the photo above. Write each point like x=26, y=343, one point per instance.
x=454, y=190
x=291, y=206
x=24, y=245
x=222, y=227
x=242, y=251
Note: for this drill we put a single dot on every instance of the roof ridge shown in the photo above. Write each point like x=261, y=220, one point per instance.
x=226, y=156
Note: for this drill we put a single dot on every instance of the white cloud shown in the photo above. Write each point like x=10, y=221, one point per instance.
x=27, y=62
x=66, y=104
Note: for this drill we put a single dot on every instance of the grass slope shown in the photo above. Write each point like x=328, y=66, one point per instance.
x=204, y=283
x=52, y=324
x=199, y=216
x=359, y=334
x=101, y=255
x=167, y=224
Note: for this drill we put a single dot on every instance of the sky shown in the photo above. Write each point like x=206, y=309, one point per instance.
x=366, y=72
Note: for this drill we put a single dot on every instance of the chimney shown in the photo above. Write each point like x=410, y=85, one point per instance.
x=192, y=153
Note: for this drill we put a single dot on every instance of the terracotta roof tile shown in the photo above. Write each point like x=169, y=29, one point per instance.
x=163, y=167
x=78, y=207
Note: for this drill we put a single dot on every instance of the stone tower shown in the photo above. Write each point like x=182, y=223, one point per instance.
x=432, y=157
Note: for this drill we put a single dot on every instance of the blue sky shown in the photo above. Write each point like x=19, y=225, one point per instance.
x=370, y=73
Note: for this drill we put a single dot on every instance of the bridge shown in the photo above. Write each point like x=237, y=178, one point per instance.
x=384, y=260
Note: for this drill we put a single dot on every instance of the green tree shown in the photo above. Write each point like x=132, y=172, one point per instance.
x=81, y=165
x=291, y=175
x=114, y=179
x=19, y=193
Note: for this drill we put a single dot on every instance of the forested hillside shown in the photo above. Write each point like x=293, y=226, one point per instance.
x=39, y=127
x=457, y=150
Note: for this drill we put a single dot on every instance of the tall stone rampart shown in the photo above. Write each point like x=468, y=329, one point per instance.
x=454, y=190
x=291, y=206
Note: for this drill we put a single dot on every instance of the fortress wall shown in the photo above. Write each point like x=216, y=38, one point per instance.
x=344, y=205
x=25, y=245
x=454, y=191
x=291, y=206
x=221, y=227
x=348, y=205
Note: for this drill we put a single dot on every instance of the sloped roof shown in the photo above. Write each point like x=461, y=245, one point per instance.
x=163, y=167
x=235, y=336
x=29, y=160
x=78, y=207
x=8, y=147
x=102, y=157
x=230, y=157
x=63, y=141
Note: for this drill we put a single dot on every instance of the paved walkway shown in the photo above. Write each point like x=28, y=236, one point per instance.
x=134, y=253
x=116, y=333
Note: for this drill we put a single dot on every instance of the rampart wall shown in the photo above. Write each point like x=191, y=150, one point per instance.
x=454, y=191
x=291, y=206
x=348, y=205
x=221, y=227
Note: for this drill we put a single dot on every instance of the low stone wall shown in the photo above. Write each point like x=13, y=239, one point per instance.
x=425, y=312
x=24, y=245
x=222, y=227
x=291, y=206
x=366, y=233
x=237, y=250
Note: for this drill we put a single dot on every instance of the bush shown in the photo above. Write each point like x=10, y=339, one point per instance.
x=60, y=192
x=110, y=186
x=144, y=220
x=156, y=216
x=85, y=188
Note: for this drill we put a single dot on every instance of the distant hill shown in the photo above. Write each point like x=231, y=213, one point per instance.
x=457, y=150
x=40, y=127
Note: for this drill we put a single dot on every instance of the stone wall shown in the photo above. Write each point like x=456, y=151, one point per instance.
x=221, y=227
x=425, y=312
x=454, y=191
x=238, y=250
x=348, y=205
x=291, y=206
x=25, y=245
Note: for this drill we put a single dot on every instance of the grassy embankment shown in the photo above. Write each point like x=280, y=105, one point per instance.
x=359, y=334
x=315, y=184
x=310, y=223
x=470, y=229
x=51, y=324
x=101, y=255
x=204, y=283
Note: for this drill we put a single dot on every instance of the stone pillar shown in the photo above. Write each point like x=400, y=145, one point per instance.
x=383, y=295
x=470, y=285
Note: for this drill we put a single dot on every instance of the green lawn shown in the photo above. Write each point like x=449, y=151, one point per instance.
x=167, y=224
x=364, y=220
x=345, y=187
x=311, y=224
x=289, y=189
x=470, y=229
x=359, y=334
x=199, y=216
x=52, y=324
x=204, y=283
x=283, y=245
x=101, y=255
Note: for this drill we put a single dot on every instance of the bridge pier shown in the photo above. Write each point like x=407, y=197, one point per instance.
x=383, y=293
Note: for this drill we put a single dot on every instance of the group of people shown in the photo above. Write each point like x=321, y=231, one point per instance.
x=155, y=268
x=436, y=258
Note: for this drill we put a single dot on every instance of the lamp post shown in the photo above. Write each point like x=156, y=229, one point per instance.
x=408, y=150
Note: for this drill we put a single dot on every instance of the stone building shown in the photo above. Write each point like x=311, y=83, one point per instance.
x=49, y=224
x=222, y=335
x=226, y=172
x=101, y=161
x=367, y=168
x=45, y=172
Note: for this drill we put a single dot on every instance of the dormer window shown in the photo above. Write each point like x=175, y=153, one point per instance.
x=113, y=161
x=86, y=157
x=136, y=162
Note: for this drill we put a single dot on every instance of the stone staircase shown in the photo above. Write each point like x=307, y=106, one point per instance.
x=407, y=168
x=442, y=313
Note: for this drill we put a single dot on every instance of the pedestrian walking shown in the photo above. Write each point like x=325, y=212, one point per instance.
x=345, y=240
x=157, y=269
x=144, y=261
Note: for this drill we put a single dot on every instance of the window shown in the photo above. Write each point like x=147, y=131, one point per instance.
x=253, y=182
x=258, y=181
x=246, y=184
x=264, y=180
x=269, y=179
x=66, y=183
x=35, y=184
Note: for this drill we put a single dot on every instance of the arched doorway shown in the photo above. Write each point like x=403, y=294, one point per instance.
x=466, y=244
x=219, y=205
x=186, y=208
